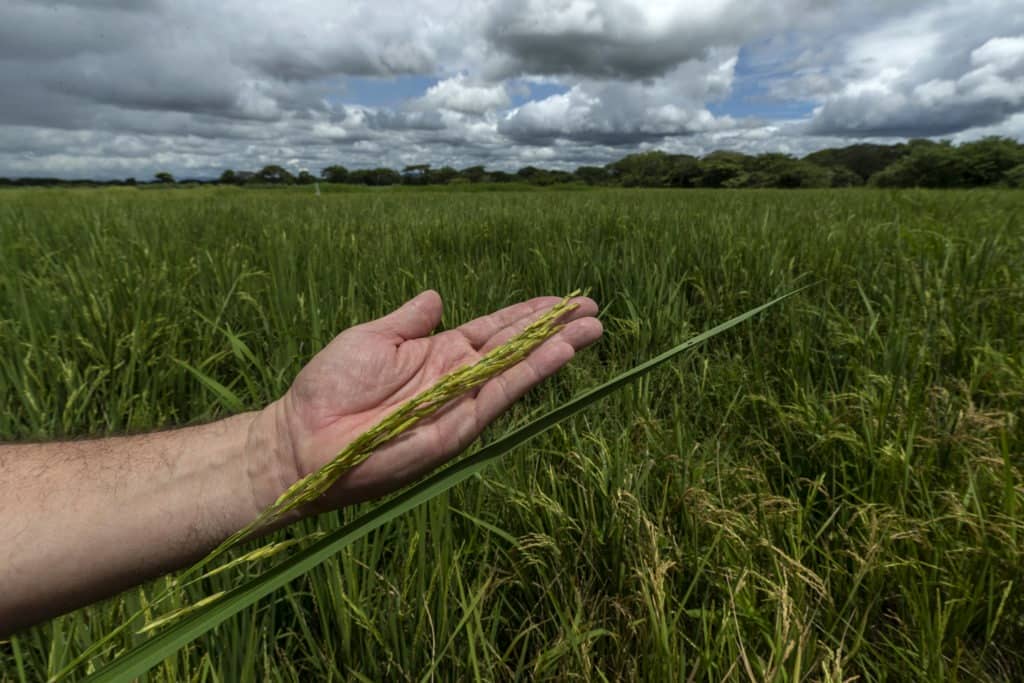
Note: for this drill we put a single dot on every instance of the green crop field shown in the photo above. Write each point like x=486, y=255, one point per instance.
x=833, y=491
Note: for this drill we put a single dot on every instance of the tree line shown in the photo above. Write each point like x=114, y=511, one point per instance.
x=992, y=161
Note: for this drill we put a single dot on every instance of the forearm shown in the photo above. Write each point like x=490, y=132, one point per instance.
x=80, y=521
x=83, y=520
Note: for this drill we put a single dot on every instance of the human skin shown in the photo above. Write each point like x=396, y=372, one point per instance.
x=83, y=520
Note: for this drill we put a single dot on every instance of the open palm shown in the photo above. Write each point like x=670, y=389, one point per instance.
x=369, y=370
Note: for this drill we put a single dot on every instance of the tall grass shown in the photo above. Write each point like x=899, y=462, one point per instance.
x=833, y=491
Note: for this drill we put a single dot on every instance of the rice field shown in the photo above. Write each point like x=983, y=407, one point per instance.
x=832, y=492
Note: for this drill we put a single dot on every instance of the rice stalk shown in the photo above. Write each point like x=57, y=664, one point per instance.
x=311, y=487
x=182, y=612
x=408, y=415
x=164, y=644
x=263, y=553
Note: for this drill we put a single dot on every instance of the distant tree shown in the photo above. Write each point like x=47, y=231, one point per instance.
x=804, y=174
x=844, y=177
x=540, y=176
x=987, y=160
x=728, y=155
x=1015, y=176
x=544, y=177
x=593, y=175
x=721, y=172
x=374, y=177
x=645, y=169
x=501, y=177
x=386, y=176
x=275, y=175
x=553, y=177
x=528, y=173
x=928, y=164
x=683, y=171
x=335, y=174
x=443, y=175
x=864, y=159
x=359, y=176
x=767, y=170
x=915, y=163
x=416, y=174
x=782, y=170
x=474, y=174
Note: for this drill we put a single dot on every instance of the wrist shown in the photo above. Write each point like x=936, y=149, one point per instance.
x=269, y=457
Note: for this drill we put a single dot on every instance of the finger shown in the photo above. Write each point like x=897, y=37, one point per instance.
x=414, y=319
x=585, y=307
x=460, y=423
x=508, y=387
x=481, y=329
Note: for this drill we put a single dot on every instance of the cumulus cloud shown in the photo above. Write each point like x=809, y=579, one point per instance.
x=935, y=72
x=627, y=39
x=459, y=94
x=110, y=88
x=625, y=112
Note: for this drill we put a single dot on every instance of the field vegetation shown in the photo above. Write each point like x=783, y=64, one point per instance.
x=833, y=491
x=988, y=162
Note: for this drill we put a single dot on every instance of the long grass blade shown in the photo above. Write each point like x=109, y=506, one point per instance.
x=228, y=398
x=165, y=644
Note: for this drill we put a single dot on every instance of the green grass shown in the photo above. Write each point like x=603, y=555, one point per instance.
x=833, y=490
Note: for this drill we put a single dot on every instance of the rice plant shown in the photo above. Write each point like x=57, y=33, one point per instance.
x=830, y=490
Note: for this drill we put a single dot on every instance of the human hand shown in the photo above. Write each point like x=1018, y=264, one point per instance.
x=369, y=370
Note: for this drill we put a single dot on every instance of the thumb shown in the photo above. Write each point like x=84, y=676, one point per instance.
x=415, y=318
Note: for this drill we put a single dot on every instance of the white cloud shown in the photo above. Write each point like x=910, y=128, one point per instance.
x=624, y=38
x=626, y=112
x=939, y=70
x=459, y=94
x=1002, y=54
x=112, y=87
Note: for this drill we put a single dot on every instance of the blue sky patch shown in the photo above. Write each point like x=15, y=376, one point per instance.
x=538, y=91
x=382, y=92
x=750, y=97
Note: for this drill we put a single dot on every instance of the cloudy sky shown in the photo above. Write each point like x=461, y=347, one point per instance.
x=115, y=88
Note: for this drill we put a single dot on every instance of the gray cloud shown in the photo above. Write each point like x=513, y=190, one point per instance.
x=389, y=120
x=940, y=70
x=628, y=112
x=292, y=63
x=102, y=5
x=39, y=32
x=109, y=88
x=623, y=39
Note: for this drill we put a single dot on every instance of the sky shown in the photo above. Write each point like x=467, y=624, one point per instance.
x=119, y=88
